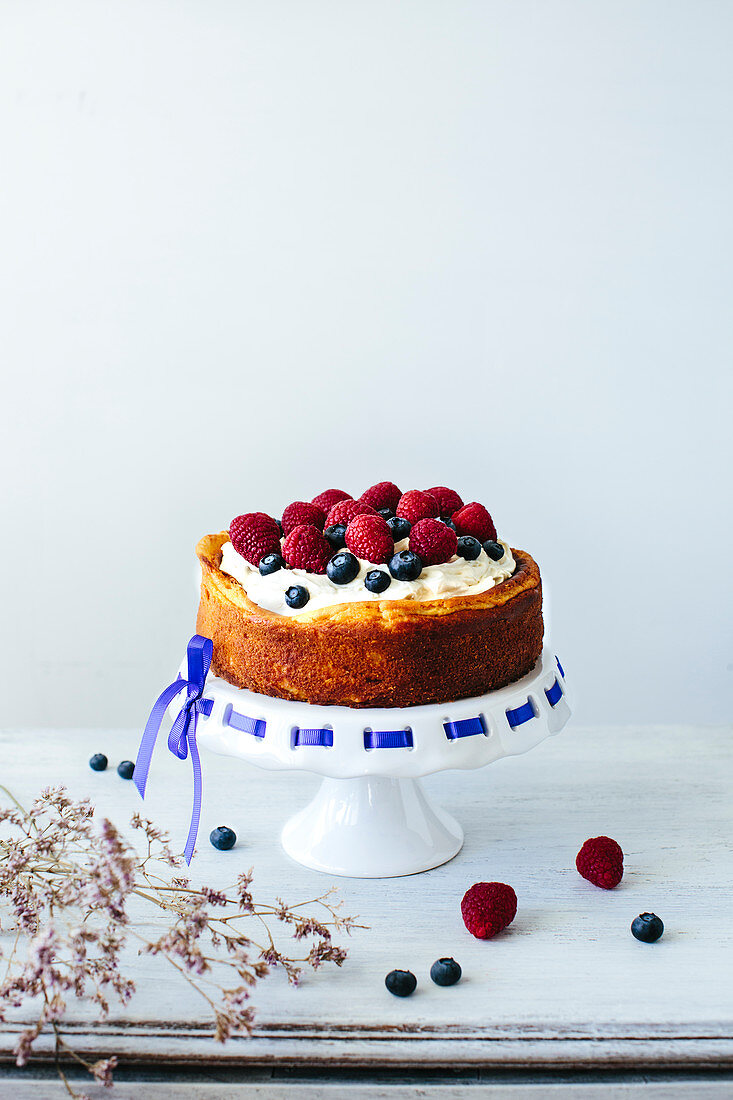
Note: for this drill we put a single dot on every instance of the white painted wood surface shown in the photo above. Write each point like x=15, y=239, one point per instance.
x=565, y=987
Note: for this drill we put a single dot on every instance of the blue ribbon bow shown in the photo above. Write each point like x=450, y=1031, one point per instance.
x=182, y=736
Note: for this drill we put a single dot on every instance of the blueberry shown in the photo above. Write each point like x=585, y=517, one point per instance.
x=98, y=762
x=445, y=972
x=377, y=580
x=399, y=528
x=468, y=547
x=223, y=838
x=271, y=563
x=405, y=566
x=342, y=567
x=336, y=535
x=297, y=596
x=401, y=982
x=448, y=523
x=125, y=769
x=647, y=927
x=494, y=549
x=386, y=512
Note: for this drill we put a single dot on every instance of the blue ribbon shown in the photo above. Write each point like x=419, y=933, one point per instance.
x=182, y=736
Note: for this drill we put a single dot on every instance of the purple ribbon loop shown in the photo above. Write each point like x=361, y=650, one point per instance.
x=182, y=737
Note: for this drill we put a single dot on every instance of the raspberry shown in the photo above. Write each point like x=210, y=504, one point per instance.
x=370, y=538
x=253, y=535
x=301, y=512
x=601, y=861
x=415, y=505
x=345, y=510
x=433, y=542
x=448, y=500
x=384, y=494
x=329, y=497
x=487, y=908
x=306, y=548
x=473, y=519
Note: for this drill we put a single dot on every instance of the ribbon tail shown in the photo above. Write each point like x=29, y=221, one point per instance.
x=197, y=790
x=150, y=734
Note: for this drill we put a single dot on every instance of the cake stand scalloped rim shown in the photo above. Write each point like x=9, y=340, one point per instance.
x=432, y=749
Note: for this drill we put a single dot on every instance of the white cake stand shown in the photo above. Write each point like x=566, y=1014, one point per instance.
x=371, y=817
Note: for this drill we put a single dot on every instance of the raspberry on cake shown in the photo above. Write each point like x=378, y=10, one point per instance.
x=384, y=494
x=448, y=500
x=415, y=505
x=373, y=612
x=302, y=512
x=345, y=510
x=306, y=548
x=370, y=539
x=433, y=542
x=253, y=535
x=473, y=519
x=329, y=497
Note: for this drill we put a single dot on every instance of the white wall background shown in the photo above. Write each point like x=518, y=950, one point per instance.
x=253, y=250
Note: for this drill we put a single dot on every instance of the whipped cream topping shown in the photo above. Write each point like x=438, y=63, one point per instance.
x=456, y=577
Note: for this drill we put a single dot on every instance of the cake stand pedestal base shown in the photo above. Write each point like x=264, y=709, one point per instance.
x=372, y=827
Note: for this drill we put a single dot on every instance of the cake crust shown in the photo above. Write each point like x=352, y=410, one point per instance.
x=377, y=653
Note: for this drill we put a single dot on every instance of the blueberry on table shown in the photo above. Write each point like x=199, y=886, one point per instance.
x=98, y=762
x=468, y=547
x=377, y=580
x=342, y=567
x=494, y=549
x=336, y=535
x=401, y=982
x=647, y=927
x=387, y=513
x=223, y=838
x=445, y=972
x=399, y=528
x=270, y=564
x=405, y=566
x=448, y=523
x=297, y=596
x=125, y=769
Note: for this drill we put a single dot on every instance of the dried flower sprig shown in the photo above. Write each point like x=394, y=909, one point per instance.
x=65, y=885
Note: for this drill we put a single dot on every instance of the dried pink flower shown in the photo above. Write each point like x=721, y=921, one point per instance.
x=64, y=888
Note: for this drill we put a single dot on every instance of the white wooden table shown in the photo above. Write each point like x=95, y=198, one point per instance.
x=564, y=1001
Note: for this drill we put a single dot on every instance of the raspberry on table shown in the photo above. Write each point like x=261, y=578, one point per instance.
x=415, y=505
x=307, y=548
x=370, y=538
x=601, y=861
x=433, y=542
x=448, y=500
x=384, y=494
x=253, y=535
x=301, y=511
x=329, y=497
x=487, y=908
x=345, y=510
x=473, y=519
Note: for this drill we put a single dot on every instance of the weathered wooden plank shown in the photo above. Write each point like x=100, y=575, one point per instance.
x=31, y=1088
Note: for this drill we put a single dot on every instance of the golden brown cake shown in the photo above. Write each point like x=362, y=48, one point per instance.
x=469, y=622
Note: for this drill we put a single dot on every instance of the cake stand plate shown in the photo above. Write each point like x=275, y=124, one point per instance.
x=371, y=817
